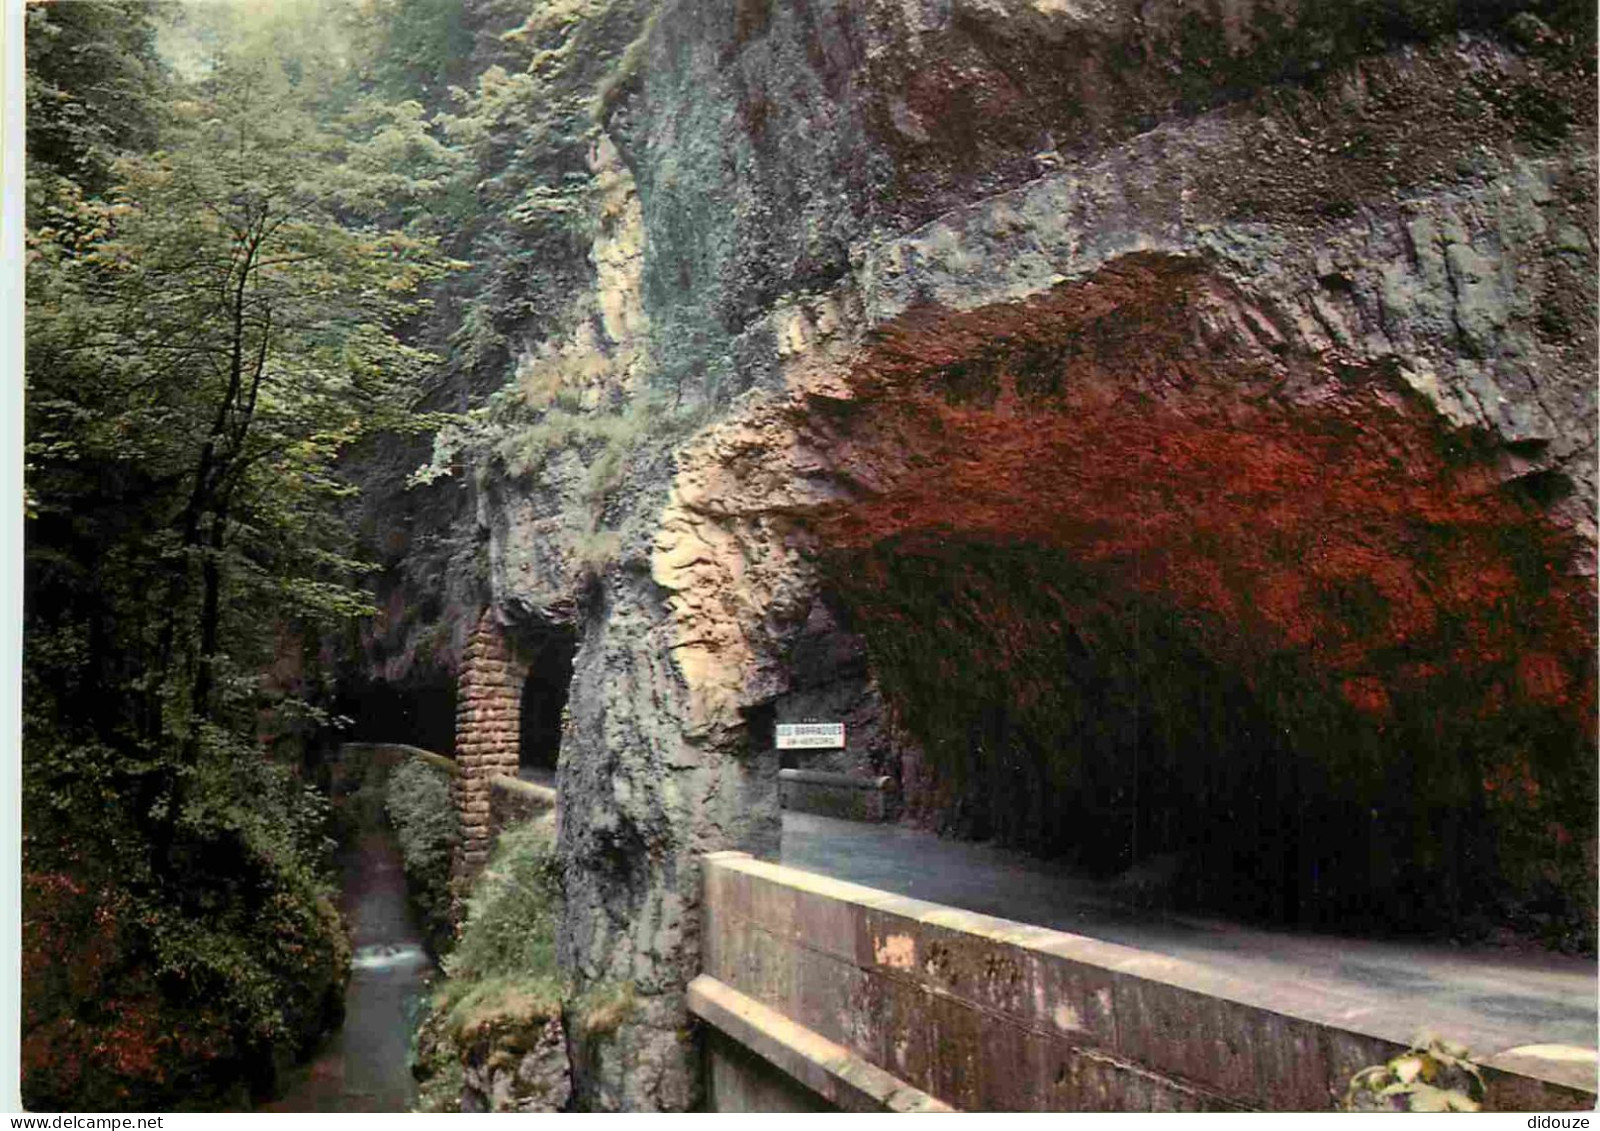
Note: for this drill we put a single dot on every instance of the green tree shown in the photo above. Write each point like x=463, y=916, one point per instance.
x=229, y=327
x=426, y=46
x=92, y=78
x=220, y=284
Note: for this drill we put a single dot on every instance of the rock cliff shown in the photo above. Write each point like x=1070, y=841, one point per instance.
x=1091, y=399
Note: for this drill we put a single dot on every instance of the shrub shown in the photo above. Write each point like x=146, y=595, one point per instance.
x=187, y=974
x=502, y=974
x=513, y=909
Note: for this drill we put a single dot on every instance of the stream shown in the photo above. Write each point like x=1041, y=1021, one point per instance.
x=363, y=1066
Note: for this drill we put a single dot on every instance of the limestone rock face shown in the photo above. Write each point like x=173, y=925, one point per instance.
x=1278, y=317
x=518, y=1071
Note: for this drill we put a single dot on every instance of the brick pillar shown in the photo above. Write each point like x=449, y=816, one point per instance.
x=488, y=731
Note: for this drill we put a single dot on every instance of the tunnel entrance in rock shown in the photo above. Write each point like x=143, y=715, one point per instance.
x=544, y=697
x=1146, y=584
x=1055, y=710
x=420, y=711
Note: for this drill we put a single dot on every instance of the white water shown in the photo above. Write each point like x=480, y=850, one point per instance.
x=388, y=956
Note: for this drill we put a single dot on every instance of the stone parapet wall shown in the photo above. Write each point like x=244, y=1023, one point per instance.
x=393, y=753
x=991, y=1015
x=847, y=796
x=488, y=733
x=512, y=801
x=812, y=1072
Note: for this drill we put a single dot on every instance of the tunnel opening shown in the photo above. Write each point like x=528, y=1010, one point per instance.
x=1146, y=587
x=544, y=700
x=1058, y=712
x=419, y=712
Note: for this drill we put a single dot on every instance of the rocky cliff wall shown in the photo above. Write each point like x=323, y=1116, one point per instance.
x=1269, y=322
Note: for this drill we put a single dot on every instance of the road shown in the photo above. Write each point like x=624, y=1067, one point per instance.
x=1492, y=1000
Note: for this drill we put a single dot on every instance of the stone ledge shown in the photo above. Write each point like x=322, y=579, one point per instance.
x=1122, y=1020
x=512, y=800
x=532, y=792
x=837, y=781
x=830, y=1070
x=846, y=796
x=400, y=750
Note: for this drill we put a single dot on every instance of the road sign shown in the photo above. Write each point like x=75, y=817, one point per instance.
x=810, y=736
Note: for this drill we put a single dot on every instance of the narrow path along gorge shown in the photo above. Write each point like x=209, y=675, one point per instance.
x=1488, y=997
x=364, y=1066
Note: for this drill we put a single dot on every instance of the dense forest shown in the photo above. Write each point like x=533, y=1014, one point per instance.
x=248, y=228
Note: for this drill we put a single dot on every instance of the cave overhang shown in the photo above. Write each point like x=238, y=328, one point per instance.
x=1175, y=445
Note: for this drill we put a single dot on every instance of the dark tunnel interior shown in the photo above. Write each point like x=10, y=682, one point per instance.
x=544, y=697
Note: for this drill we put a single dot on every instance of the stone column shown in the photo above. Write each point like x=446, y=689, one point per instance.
x=488, y=732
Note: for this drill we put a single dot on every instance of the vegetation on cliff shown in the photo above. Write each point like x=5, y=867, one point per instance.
x=417, y=801
x=240, y=228
x=501, y=979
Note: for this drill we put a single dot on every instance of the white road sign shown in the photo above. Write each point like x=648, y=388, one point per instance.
x=810, y=736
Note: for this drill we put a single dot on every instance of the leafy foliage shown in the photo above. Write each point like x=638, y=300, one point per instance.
x=521, y=203
x=503, y=971
x=513, y=909
x=240, y=223
x=92, y=82
x=221, y=268
x=1432, y=1075
x=224, y=329
x=154, y=980
x=425, y=44
x=418, y=802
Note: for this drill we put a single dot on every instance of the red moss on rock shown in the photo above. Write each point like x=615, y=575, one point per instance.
x=1320, y=507
x=1152, y=426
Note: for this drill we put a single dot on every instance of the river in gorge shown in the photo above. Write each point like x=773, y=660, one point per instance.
x=364, y=1066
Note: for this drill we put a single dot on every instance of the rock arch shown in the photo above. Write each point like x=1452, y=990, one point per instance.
x=1304, y=516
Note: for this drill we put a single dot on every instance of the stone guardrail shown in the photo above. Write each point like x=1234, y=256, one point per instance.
x=512, y=800
x=989, y=1015
x=399, y=751
x=821, y=1069
x=836, y=795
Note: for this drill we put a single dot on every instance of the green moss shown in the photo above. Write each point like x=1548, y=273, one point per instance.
x=502, y=1001
x=512, y=910
x=604, y=1008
